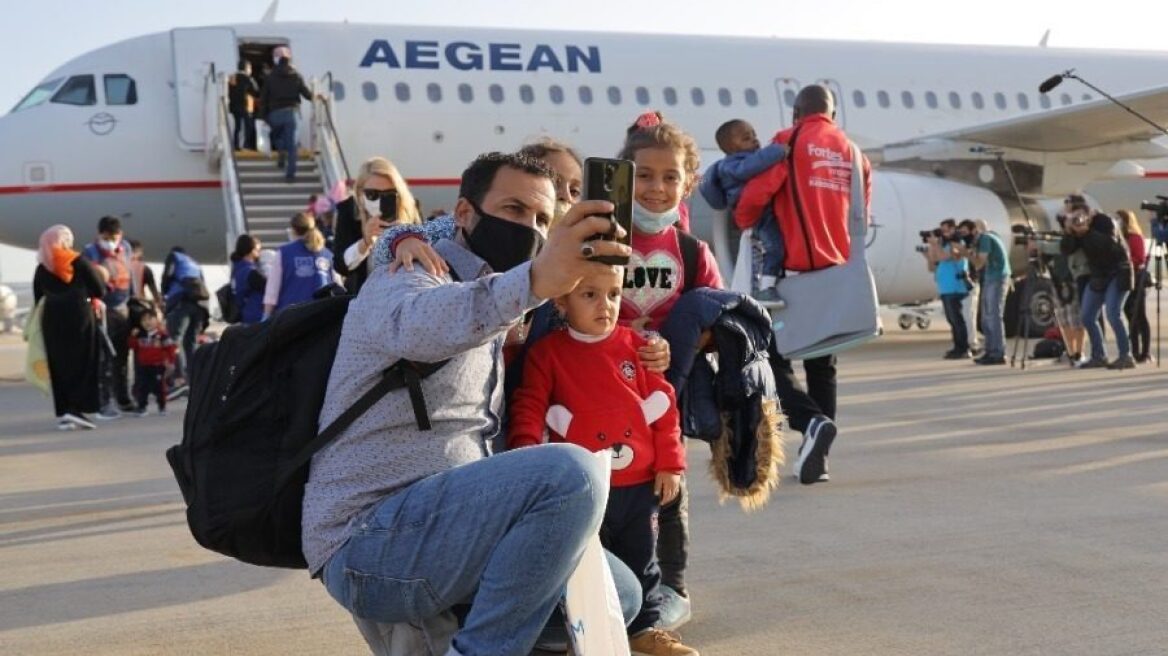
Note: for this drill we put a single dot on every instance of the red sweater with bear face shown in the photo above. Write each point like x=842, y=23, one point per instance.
x=597, y=395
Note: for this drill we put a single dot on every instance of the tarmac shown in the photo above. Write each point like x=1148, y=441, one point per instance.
x=972, y=510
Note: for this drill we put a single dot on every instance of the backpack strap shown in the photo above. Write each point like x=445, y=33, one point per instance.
x=691, y=253
x=403, y=373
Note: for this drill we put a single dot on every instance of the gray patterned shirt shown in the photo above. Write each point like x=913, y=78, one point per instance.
x=425, y=318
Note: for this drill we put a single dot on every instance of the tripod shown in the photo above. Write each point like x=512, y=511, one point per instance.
x=1158, y=248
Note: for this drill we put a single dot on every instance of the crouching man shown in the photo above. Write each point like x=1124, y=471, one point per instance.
x=403, y=524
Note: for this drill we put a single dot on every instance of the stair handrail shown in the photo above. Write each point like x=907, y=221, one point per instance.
x=221, y=152
x=330, y=155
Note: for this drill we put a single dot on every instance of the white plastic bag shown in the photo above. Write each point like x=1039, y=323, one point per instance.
x=596, y=626
x=264, y=138
x=742, y=281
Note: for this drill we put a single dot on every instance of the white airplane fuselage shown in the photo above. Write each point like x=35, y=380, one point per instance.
x=431, y=98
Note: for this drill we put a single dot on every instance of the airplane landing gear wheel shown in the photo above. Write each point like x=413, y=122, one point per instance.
x=905, y=322
x=923, y=323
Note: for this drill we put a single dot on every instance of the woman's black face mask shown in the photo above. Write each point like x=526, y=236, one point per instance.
x=501, y=243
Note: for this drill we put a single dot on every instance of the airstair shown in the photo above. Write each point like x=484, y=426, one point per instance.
x=257, y=199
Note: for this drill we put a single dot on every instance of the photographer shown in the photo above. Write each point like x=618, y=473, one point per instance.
x=1109, y=283
x=988, y=254
x=969, y=306
x=951, y=272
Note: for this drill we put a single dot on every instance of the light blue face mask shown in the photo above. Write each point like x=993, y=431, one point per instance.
x=654, y=222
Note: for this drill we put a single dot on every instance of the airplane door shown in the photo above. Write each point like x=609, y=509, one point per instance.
x=840, y=114
x=195, y=50
x=786, y=88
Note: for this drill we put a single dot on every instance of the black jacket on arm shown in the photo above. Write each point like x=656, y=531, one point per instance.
x=283, y=89
x=348, y=232
x=1106, y=252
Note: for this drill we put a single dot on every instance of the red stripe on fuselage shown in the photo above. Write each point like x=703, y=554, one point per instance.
x=111, y=186
x=173, y=184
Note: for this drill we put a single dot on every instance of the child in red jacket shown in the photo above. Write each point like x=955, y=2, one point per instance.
x=154, y=353
x=587, y=385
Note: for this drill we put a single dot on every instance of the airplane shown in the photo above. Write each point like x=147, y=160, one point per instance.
x=137, y=128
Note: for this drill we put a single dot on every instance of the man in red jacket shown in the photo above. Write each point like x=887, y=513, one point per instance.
x=811, y=196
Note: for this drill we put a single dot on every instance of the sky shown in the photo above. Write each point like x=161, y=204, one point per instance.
x=43, y=35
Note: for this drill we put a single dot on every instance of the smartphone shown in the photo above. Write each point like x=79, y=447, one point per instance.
x=612, y=180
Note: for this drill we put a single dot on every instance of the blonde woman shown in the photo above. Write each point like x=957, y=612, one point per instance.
x=302, y=267
x=380, y=199
x=1135, y=308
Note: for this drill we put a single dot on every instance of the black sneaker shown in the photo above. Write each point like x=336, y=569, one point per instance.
x=1125, y=362
x=985, y=359
x=957, y=355
x=1093, y=363
x=812, y=461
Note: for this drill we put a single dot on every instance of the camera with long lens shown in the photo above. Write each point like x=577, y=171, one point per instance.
x=1046, y=242
x=1159, y=206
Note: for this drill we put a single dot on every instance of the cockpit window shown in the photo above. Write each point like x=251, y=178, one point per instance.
x=78, y=90
x=120, y=89
x=38, y=95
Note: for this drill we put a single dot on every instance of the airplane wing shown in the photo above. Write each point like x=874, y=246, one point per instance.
x=1079, y=127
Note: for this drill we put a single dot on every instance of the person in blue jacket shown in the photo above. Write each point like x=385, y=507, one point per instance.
x=183, y=289
x=247, y=281
x=303, y=267
x=723, y=182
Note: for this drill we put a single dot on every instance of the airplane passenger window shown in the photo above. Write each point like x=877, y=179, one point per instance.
x=402, y=91
x=496, y=93
x=556, y=93
x=954, y=100
x=697, y=96
x=585, y=95
x=434, y=92
x=78, y=90
x=338, y=91
x=642, y=96
x=120, y=89
x=881, y=99
x=1044, y=100
x=1065, y=98
x=906, y=99
x=1023, y=101
x=1000, y=100
x=526, y=94
x=670, y=95
x=724, y=97
x=465, y=93
x=1086, y=97
x=977, y=100
x=931, y=99
x=614, y=95
x=751, y=97
x=789, y=97
x=39, y=94
x=369, y=91
x=858, y=99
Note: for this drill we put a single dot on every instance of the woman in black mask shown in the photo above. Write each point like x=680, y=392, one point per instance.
x=381, y=198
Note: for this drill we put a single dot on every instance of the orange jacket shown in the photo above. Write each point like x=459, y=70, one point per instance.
x=822, y=157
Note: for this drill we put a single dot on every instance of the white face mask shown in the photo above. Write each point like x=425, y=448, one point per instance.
x=109, y=244
x=291, y=235
x=372, y=207
x=654, y=222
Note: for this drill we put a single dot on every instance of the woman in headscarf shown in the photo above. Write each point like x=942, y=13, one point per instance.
x=67, y=283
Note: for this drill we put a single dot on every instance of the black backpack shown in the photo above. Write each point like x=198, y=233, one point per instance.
x=250, y=428
x=228, y=308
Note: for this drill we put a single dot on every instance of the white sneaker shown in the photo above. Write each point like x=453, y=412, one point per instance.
x=78, y=421
x=64, y=424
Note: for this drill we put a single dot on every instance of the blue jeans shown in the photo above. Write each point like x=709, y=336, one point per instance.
x=952, y=305
x=774, y=253
x=502, y=533
x=183, y=323
x=993, y=308
x=1112, y=297
x=283, y=123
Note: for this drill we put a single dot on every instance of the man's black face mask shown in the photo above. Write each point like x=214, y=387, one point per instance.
x=502, y=244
